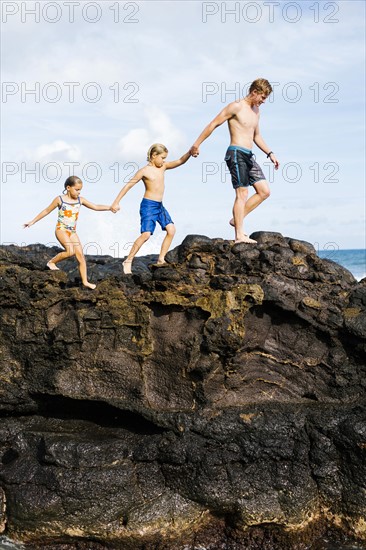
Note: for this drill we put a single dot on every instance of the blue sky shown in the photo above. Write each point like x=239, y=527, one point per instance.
x=88, y=86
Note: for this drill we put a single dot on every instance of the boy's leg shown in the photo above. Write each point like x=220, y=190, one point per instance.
x=170, y=232
x=145, y=236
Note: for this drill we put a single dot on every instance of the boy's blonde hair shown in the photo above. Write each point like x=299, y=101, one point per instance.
x=157, y=148
x=260, y=85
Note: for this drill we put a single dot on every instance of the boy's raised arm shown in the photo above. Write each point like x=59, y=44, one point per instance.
x=136, y=178
x=175, y=163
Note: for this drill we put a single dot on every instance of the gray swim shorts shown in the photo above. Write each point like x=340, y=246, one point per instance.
x=243, y=168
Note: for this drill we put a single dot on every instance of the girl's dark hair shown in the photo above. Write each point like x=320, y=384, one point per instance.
x=72, y=181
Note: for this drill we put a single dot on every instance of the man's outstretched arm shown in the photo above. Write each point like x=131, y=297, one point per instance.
x=227, y=113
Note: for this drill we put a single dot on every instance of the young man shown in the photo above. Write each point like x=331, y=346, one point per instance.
x=243, y=122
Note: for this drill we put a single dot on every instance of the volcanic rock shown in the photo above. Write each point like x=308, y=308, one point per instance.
x=217, y=401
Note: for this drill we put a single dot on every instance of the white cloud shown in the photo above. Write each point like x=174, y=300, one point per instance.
x=159, y=129
x=56, y=151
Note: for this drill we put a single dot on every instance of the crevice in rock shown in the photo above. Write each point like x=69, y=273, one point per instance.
x=98, y=412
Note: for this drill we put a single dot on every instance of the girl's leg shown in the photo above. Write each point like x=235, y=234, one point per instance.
x=170, y=232
x=135, y=248
x=63, y=238
x=78, y=248
x=73, y=247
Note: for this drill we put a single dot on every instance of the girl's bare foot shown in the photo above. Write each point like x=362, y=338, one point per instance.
x=52, y=266
x=90, y=285
x=126, y=266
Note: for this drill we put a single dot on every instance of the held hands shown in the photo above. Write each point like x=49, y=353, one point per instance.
x=115, y=207
x=194, y=151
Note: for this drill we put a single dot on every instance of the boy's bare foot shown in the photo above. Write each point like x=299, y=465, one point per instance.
x=90, y=285
x=160, y=262
x=52, y=266
x=126, y=266
x=245, y=239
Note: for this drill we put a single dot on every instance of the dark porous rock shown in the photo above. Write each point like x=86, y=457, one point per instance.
x=301, y=246
x=192, y=243
x=216, y=401
x=269, y=238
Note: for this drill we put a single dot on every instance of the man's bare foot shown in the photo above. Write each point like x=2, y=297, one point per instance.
x=245, y=239
x=52, y=266
x=90, y=285
x=126, y=266
x=231, y=222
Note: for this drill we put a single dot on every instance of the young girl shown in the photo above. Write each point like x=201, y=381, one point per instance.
x=151, y=208
x=68, y=213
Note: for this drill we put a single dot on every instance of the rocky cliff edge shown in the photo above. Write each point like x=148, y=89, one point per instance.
x=218, y=400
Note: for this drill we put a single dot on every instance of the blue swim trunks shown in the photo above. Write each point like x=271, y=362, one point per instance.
x=243, y=168
x=152, y=212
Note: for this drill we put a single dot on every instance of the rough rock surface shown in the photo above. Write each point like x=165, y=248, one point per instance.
x=217, y=402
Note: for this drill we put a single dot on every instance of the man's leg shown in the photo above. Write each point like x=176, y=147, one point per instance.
x=262, y=192
x=241, y=195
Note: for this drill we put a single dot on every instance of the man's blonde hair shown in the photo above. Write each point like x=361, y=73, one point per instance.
x=157, y=148
x=260, y=85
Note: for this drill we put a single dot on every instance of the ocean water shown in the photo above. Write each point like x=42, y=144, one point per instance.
x=353, y=260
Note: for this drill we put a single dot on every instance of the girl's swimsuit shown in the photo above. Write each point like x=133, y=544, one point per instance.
x=68, y=214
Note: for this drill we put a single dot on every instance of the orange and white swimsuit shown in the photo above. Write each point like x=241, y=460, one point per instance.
x=68, y=214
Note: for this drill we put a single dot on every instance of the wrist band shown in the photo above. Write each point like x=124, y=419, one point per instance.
x=270, y=153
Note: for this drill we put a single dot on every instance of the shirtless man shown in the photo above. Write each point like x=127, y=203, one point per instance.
x=151, y=208
x=243, y=122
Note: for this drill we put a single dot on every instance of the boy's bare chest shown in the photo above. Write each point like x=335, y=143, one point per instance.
x=154, y=178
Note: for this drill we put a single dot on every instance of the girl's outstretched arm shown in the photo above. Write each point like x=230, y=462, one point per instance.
x=44, y=212
x=179, y=162
x=136, y=178
x=93, y=206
